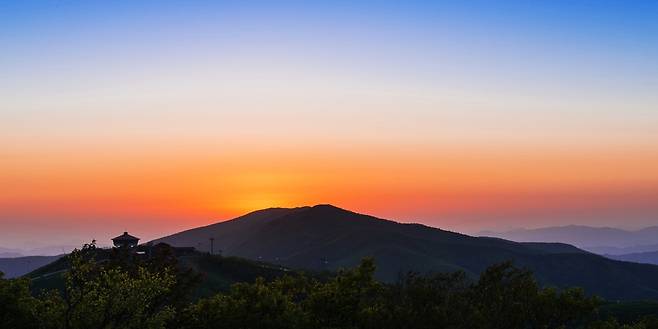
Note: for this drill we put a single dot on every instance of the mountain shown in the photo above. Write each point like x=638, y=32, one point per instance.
x=17, y=266
x=601, y=240
x=48, y=250
x=10, y=254
x=639, y=257
x=611, y=250
x=327, y=237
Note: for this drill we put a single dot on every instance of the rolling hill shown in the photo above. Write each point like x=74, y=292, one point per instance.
x=217, y=273
x=326, y=237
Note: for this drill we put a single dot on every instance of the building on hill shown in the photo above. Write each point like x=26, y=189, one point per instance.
x=125, y=241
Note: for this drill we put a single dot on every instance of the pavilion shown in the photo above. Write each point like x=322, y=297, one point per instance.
x=125, y=241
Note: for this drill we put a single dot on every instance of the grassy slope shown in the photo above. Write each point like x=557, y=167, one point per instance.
x=218, y=273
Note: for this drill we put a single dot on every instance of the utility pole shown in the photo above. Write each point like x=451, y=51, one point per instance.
x=212, y=246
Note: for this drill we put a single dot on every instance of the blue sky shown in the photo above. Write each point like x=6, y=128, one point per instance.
x=575, y=82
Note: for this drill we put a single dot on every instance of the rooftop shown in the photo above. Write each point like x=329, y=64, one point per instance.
x=125, y=237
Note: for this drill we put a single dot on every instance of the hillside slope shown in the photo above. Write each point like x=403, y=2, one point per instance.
x=326, y=237
x=217, y=273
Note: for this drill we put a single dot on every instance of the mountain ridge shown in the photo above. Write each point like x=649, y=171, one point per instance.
x=18, y=266
x=327, y=237
x=600, y=240
x=650, y=257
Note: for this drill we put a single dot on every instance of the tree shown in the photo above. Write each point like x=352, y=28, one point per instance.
x=17, y=306
x=98, y=296
x=352, y=299
x=125, y=291
x=256, y=305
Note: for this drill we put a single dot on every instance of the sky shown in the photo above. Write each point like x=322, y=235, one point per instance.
x=157, y=116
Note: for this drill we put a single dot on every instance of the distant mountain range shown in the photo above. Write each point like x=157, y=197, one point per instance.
x=639, y=257
x=39, y=251
x=18, y=266
x=10, y=252
x=327, y=237
x=600, y=240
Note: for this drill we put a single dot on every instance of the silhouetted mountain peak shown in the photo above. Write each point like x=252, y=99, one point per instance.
x=277, y=212
x=323, y=217
x=324, y=236
x=330, y=211
x=316, y=215
x=330, y=208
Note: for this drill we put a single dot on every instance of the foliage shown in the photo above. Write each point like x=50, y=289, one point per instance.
x=112, y=298
x=125, y=291
x=504, y=297
x=16, y=304
x=96, y=295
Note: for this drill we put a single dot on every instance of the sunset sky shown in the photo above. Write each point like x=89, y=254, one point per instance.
x=153, y=117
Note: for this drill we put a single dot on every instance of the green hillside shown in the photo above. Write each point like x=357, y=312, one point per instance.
x=216, y=273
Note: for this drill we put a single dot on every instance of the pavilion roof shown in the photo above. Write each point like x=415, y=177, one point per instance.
x=125, y=237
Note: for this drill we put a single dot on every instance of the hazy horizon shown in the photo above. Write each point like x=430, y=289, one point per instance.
x=28, y=246
x=155, y=117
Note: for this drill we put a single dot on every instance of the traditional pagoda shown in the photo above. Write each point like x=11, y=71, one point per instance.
x=125, y=241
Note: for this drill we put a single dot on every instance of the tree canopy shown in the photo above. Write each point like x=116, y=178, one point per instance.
x=125, y=292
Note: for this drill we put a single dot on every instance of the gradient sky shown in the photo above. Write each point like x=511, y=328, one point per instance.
x=153, y=116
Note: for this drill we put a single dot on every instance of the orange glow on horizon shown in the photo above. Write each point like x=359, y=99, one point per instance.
x=442, y=187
